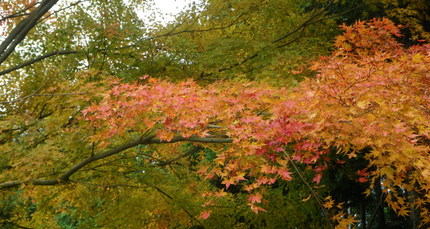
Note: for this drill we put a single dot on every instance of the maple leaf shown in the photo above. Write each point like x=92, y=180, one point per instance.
x=251, y=187
x=152, y=80
x=205, y=214
x=341, y=162
x=403, y=212
x=271, y=181
x=255, y=198
x=262, y=180
x=317, y=178
x=285, y=174
x=240, y=176
x=267, y=169
x=202, y=170
x=362, y=179
x=329, y=203
x=363, y=172
x=228, y=182
x=251, y=119
x=221, y=193
x=297, y=156
x=256, y=208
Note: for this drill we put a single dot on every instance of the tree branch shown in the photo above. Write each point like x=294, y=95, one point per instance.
x=20, y=31
x=304, y=24
x=18, y=13
x=315, y=194
x=64, y=178
x=65, y=52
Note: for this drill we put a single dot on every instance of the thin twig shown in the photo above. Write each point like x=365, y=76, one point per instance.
x=33, y=95
x=317, y=197
x=376, y=210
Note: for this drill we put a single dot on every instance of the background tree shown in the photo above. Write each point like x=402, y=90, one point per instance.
x=413, y=15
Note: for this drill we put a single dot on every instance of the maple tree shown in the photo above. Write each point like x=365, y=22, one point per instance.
x=189, y=149
x=372, y=93
x=64, y=61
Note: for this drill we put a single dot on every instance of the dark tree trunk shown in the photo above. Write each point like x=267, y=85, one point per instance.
x=363, y=215
x=380, y=208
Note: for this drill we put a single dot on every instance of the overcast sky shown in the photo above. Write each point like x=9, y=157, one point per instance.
x=169, y=8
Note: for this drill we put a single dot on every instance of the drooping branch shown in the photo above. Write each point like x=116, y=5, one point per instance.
x=21, y=30
x=64, y=178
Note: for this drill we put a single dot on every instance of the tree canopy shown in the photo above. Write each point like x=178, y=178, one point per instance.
x=253, y=113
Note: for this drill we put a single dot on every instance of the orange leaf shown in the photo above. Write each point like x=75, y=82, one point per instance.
x=255, y=198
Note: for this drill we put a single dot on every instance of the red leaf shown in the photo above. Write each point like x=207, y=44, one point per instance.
x=205, y=214
x=285, y=174
x=317, y=178
x=362, y=179
x=363, y=172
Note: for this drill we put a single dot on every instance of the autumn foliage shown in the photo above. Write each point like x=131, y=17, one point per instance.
x=369, y=99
